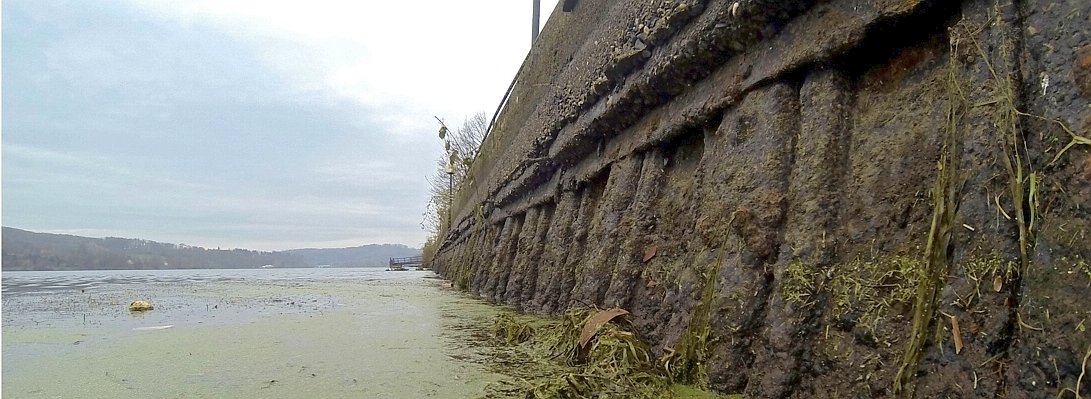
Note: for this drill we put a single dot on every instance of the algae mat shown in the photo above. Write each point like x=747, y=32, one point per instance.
x=374, y=335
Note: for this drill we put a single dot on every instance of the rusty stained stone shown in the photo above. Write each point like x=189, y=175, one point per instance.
x=1081, y=70
x=1087, y=168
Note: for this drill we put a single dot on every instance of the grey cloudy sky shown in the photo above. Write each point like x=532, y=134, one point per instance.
x=251, y=124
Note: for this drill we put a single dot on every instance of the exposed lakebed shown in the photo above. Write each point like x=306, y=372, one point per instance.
x=242, y=333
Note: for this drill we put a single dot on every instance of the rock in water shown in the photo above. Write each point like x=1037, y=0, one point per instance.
x=140, y=306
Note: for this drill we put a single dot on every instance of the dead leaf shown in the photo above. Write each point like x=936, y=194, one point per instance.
x=650, y=253
x=998, y=283
x=957, y=334
x=597, y=321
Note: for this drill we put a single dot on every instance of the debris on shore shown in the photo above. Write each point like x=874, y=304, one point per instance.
x=140, y=306
x=588, y=353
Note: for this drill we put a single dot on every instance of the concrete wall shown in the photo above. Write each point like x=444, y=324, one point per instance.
x=858, y=196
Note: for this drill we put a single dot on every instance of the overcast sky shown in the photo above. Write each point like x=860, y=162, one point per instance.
x=242, y=124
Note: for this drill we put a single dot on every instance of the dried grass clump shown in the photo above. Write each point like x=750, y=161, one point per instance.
x=868, y=292
x=798, y=286
x=510, y=331
x=612, y=362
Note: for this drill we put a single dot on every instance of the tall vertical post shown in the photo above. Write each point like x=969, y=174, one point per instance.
x=450, y=188
x=534, y=21
x=450, y=197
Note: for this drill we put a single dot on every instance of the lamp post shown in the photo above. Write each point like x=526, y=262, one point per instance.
x=450, y=189
x=451, y=155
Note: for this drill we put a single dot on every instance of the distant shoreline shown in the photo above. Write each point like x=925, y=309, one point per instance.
x=204, y=268
x=30, y=251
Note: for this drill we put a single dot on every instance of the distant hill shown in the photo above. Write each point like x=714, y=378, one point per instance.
x=375, y=255
x=26, y=250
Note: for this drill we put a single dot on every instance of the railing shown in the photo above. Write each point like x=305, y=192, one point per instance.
x=490, y=146
x=407, y=261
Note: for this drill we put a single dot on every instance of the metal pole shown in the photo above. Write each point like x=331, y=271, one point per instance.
x=450, y=197
x=534, y=21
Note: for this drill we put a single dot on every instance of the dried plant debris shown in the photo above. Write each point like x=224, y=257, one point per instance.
x=595, y=323
x=588, y=353
x=510, y=331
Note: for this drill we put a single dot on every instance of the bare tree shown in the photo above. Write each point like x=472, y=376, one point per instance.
x=465, y=142
x=462, y=146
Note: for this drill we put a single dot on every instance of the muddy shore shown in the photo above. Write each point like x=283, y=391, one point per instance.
x=379, y=336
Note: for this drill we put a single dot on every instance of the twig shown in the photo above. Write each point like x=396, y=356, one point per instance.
x=990, y=360
x=1001, y=208
x=1019, y=318
x=1083, y=370
x=1079, y=380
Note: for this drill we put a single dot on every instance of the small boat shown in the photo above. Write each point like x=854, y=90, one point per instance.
x=396, y=268
x=267, y=266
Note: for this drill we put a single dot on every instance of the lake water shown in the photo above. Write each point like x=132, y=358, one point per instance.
x=242, y=333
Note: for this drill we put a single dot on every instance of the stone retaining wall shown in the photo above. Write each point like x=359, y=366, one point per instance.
x=868, y=198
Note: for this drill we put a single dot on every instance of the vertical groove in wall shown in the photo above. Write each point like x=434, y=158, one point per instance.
x=450, y=256
x=535, y=260
x=806, y=249
x=558, y=242
x=683, y=266
x=1049, y=62
x=488, y=256
x=463, y=275
x=457, y=270
x=1011, y=28
x=453, y=268
x=658, y=306
x=635, y=227
x=491, y=273
x=507, y=259
x=605, y=230
x=745, y=195
x=770, y=313
x=473, y=262
x=1054, y=53
x=513, y=289
x=1010, y=31
x=569, y=269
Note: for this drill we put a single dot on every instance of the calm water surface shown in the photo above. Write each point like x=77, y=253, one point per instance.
x=59, y=281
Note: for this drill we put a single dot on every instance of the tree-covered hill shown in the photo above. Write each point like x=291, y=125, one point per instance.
x=368, y=255
x=26, y=250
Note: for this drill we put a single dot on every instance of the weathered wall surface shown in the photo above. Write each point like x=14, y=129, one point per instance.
x=852, y=198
